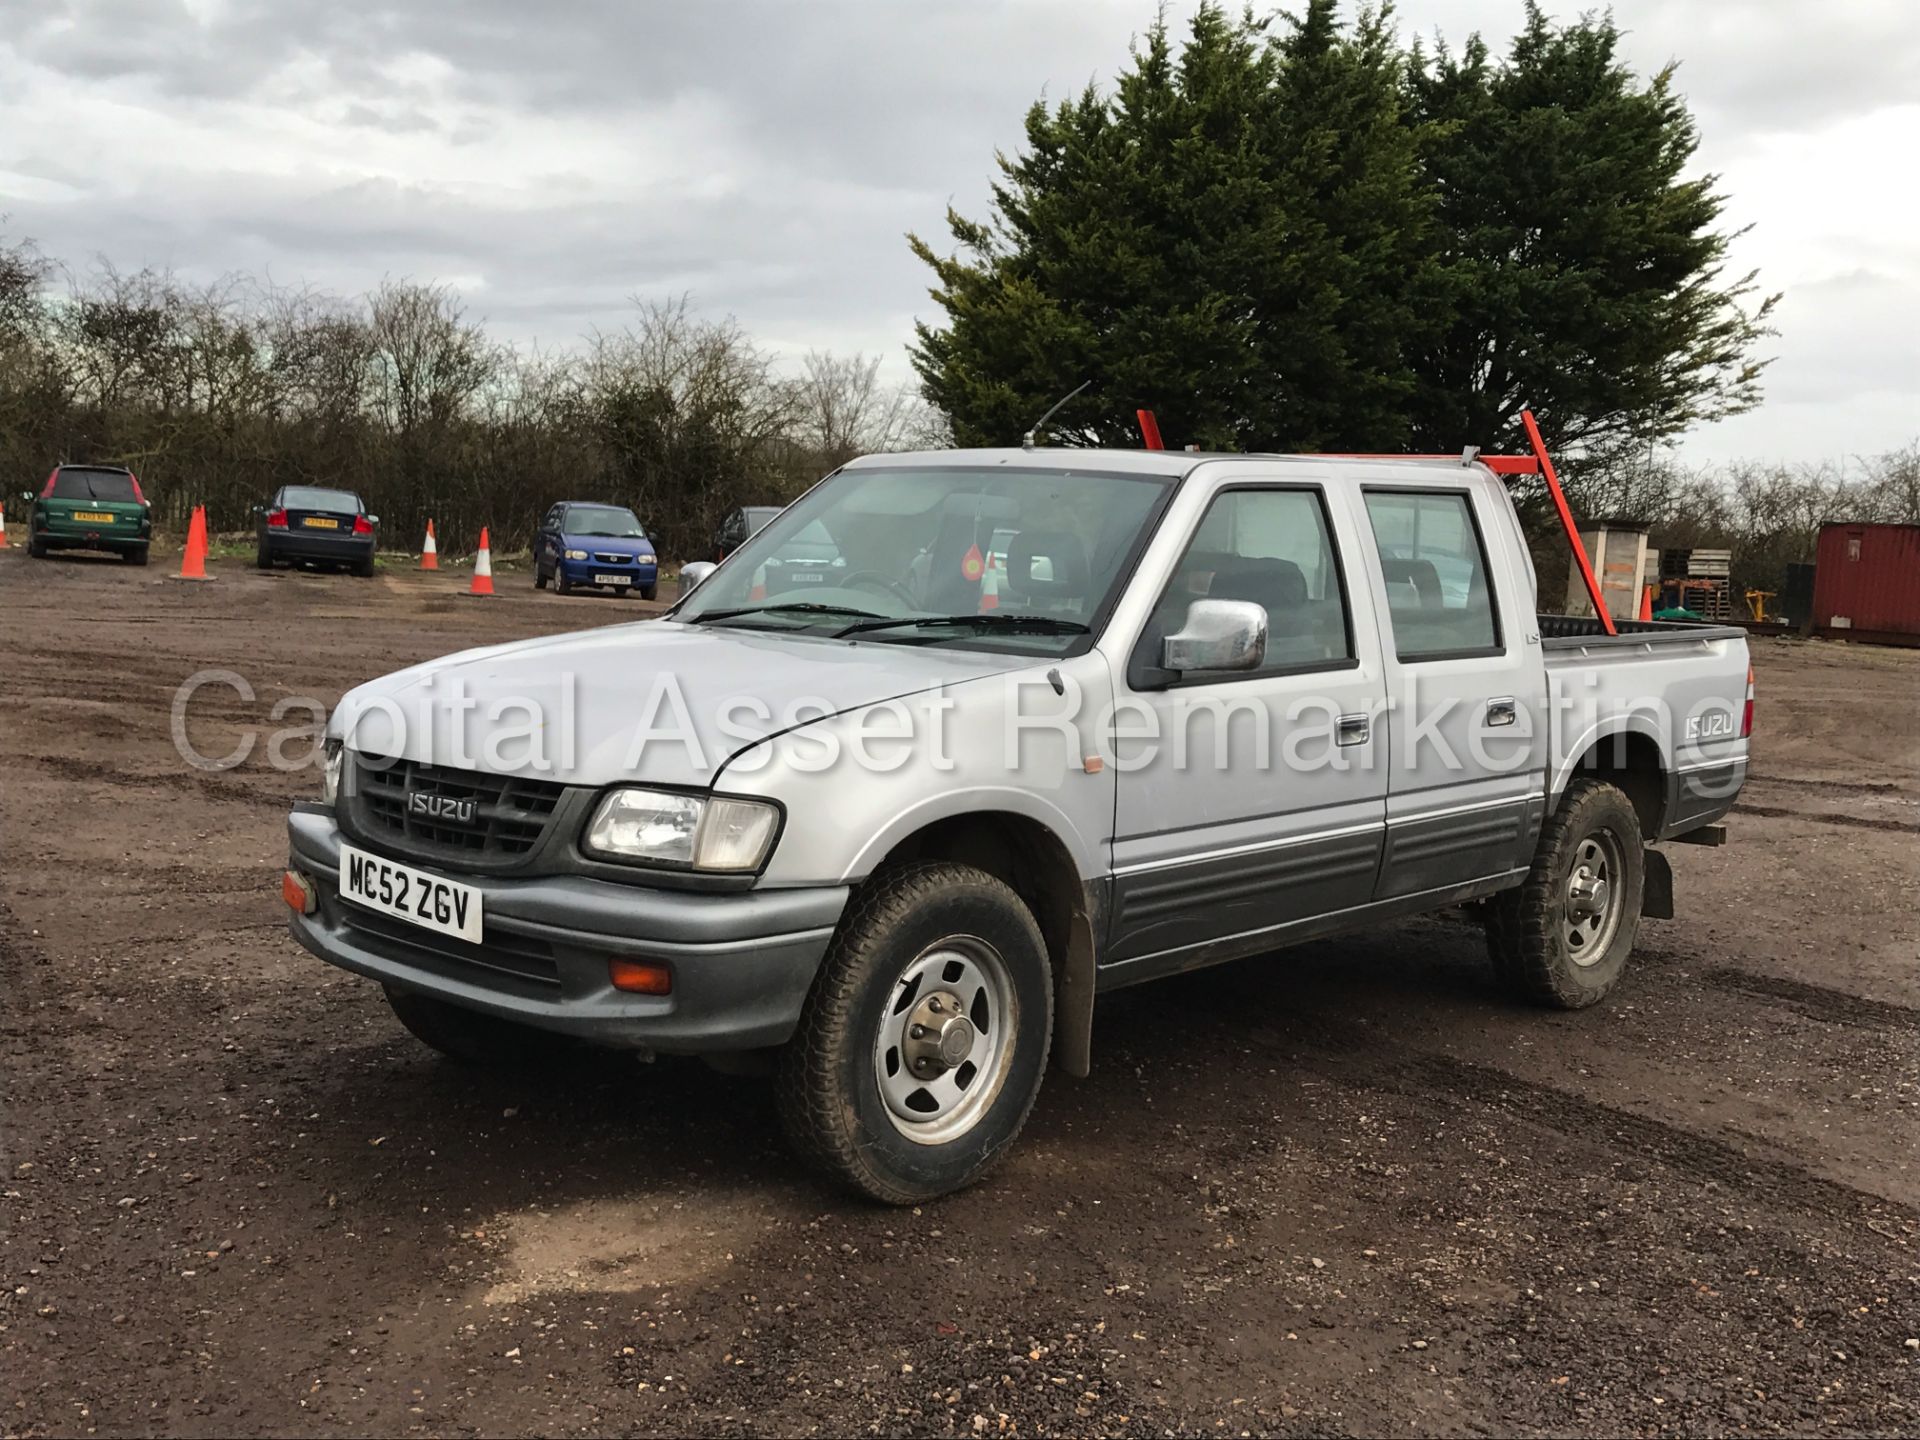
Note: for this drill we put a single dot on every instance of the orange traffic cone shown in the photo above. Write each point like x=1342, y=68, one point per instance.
x=429, y=552
x=758, y=590
x=3, y=527
x=193, y=564
x=1646, y=603
x=482, y=568
x=990, y=588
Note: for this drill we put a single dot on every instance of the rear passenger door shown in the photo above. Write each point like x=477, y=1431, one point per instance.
x=1259, y=801
x=1466, y=687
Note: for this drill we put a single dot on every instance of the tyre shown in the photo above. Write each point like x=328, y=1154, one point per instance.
x=647, y=592
x=561, y=585
x=1562, y=939
x=471, y=1037
x=36, y=547
x=364, y=568
x=924, y=1039
x=539, y=578
x=135, y=556
x=263, y=557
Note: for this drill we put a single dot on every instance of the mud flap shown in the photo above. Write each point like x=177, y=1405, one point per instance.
x=1656, y=893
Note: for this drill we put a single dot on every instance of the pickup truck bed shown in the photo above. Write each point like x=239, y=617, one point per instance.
x=1666, y=695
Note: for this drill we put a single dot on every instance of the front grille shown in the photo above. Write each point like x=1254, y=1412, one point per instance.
x=505, y=960
x=510, y=813
x=613, y=559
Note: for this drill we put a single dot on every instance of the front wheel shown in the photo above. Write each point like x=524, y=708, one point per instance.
x=647, y=592
x=561, y=584
x=1562, y=938
x=922, y=1044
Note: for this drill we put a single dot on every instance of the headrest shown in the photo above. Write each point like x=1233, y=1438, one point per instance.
x=1063, y=576
x=1276, y=585
x=1418, y=573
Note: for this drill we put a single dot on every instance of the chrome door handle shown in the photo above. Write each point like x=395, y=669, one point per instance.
x=1351, y=730
x=1501, y=712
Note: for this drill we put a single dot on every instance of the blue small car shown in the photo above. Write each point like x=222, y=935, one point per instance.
x=584, y=545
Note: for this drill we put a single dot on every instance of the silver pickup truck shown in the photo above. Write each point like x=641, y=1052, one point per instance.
x=1046, y=723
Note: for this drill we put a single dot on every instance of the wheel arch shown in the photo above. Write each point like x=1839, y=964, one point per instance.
x=1037, y=864
x=1632, y=757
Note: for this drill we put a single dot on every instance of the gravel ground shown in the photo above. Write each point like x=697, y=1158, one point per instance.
x=1342, y=1189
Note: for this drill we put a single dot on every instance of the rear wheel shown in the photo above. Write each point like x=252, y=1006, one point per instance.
x=539, y=577
x=1562, y=938
x=263, y=557
x=923, y=1042
x=36, y=547
x=469, y=1036
x=135, y=556
x=364, y=568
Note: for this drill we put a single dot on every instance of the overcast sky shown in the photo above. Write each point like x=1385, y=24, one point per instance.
x=554, y=160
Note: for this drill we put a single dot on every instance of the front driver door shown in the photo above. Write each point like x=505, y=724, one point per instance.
x=1261, y=802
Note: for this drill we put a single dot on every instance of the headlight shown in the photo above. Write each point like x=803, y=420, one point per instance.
x=656, y=827
x=330, y=760
x=645, y=557
x=576, y=554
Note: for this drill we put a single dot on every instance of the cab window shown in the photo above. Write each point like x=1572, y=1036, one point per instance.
x=1274, y=547
x=1434, y=563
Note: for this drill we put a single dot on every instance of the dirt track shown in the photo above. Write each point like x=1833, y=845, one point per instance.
x=1344, y=1189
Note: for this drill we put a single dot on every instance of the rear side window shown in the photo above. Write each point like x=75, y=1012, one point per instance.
x=308, y=497
x=1435, y=565
x=1274, y=548
x=81, y=484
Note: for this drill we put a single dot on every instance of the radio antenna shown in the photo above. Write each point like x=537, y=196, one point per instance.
x=1028, y=442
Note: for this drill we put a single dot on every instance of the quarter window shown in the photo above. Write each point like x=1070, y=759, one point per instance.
x=1435, y=566
x=1271, y=547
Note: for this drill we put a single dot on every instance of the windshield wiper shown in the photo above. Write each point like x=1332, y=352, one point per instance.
x=1004, y=621
x=804, y=607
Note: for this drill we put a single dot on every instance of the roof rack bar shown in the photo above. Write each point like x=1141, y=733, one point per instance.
x=1498, y=464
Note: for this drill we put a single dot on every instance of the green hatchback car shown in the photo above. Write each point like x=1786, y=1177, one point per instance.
x=90, y=507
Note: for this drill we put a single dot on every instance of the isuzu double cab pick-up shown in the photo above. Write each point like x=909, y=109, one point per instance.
x=1062, y=722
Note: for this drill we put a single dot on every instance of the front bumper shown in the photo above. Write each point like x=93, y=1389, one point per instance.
x=582, y=573
x=742, y=960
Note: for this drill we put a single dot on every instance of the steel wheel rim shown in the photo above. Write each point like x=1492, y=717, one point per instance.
x=1592, y=897
x=945, y=1100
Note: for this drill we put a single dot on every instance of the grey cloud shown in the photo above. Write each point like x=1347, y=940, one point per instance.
x=836, y=126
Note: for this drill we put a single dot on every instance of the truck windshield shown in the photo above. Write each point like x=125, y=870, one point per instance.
x=1000, y=559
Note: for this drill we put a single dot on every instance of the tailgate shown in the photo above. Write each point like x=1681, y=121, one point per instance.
x=93, y=517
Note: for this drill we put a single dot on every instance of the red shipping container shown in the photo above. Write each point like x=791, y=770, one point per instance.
x=1866, y=583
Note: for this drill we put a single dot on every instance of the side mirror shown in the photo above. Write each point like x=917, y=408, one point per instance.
x=1218, y=635
x=694, y=573
x=373, y=519
x=26, y=497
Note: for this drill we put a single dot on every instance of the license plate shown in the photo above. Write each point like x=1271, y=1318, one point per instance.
x=95, y=516
x=806, y=577
x=613, y=579
x=315, y=522
x=399, y=890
